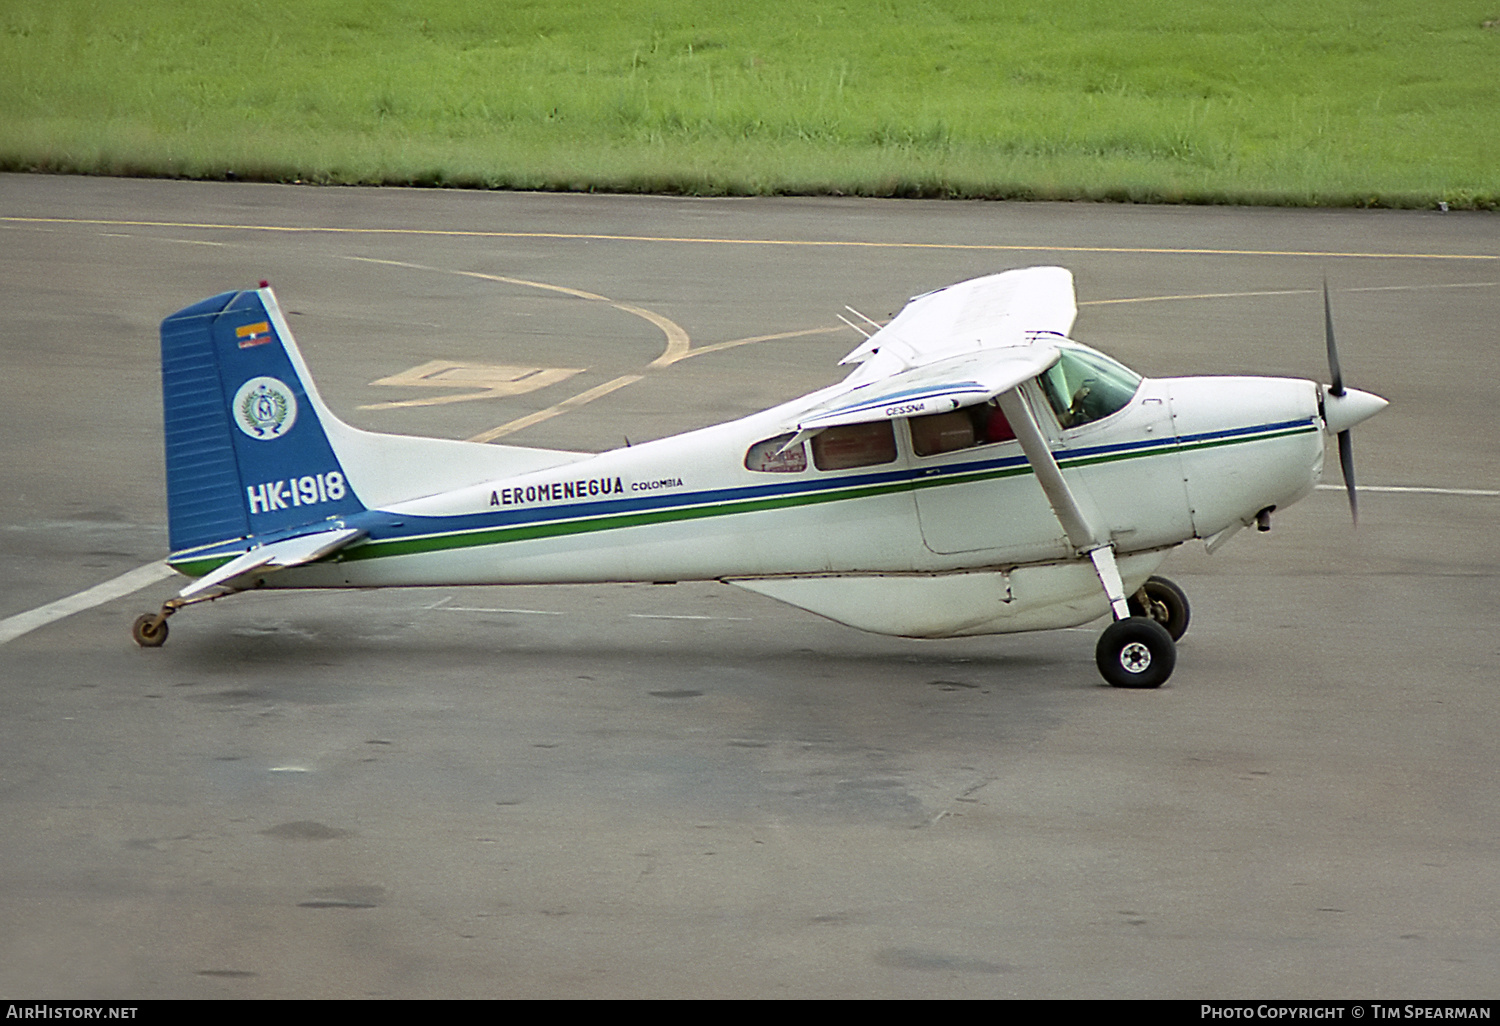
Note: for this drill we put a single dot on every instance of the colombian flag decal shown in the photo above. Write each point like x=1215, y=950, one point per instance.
x=257, y=334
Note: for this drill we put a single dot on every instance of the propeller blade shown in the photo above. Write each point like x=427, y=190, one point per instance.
x=1343, y=408
x=1335, y=374
x=1346, y=464
x=1336, y=382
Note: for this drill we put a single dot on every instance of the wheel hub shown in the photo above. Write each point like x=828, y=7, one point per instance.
x=1135, y=657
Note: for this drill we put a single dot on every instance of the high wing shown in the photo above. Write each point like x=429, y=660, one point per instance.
x=954, y=347
x=937, y=387
x=993, y=312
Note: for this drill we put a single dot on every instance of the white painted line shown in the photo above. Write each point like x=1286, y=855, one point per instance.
x=597, y=392
x=1483, y=493
x=1420, y=288
x=13, y=627
x=495, y=380
x=481, y=609
x=674, y=616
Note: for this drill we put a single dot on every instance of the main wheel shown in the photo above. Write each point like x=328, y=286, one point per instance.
x=1136, y=653
x=149, y=630
x=1165, y=603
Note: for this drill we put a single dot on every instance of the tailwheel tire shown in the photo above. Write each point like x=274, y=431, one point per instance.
x=1136, y=653
x=149, y=630
x=1165, y=603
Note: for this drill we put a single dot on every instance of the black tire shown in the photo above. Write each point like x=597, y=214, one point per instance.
x=149, y=630
x=1136, y=653
x=1168, y=606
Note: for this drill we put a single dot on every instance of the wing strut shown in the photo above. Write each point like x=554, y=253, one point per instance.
x=1086, y=538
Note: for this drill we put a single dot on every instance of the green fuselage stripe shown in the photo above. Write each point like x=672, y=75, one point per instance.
x=617, y=521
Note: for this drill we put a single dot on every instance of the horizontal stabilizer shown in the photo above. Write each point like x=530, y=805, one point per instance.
x=306, y=548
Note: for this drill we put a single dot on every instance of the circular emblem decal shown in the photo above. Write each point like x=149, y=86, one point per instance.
x=264, y=408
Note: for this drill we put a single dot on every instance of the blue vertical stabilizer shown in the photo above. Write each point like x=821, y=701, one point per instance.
x=247, y=453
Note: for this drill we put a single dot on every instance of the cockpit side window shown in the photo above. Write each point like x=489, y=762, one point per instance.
x=1085, y=386
x=959, y=429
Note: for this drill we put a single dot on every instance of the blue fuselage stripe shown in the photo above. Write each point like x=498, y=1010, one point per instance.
x=384, y=526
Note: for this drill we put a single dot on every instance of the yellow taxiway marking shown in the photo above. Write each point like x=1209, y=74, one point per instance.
x=1290, y=292
x=677, y=339
x=496, y=381
x=846, y=243
x=1197, y=295
x=629, y=379
x=717, y=347
x=597, y=392
x=679, y=345
x=678, y=342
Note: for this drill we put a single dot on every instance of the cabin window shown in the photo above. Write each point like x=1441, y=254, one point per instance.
x=768, y=457
x=854, y=445
x=959, y=429
x=1085, y=386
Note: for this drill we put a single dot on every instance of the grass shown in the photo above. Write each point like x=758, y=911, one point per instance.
x=1327, y=102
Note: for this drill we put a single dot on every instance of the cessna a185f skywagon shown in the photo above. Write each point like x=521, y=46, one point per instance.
x=977, y=473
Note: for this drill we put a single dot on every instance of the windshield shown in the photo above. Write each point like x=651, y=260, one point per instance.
x=1085, y=386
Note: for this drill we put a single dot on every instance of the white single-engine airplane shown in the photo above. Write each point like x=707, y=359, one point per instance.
x=977, y=473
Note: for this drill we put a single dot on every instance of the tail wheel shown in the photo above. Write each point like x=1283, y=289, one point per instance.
x=149, y=630
x=1164, y=602
x=1136, y=653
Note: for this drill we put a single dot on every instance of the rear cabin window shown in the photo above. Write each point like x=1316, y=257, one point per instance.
x=854, y=445
x=959, y=429
x=768, y=458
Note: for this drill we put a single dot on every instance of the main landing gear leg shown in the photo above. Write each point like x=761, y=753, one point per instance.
x=1135, y=651
x=1164, y=602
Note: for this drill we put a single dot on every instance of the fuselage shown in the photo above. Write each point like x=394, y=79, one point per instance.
x=1183, y=458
